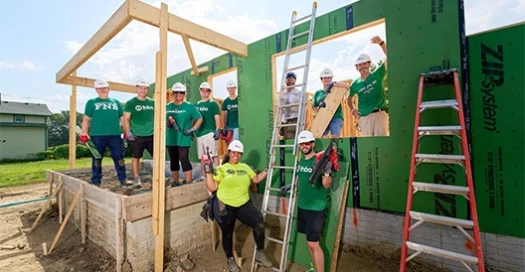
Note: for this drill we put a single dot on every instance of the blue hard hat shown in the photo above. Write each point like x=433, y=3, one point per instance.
x=291, y=74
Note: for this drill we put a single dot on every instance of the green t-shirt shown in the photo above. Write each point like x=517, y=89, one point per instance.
x=370, y=92
x=310, y=198
x=319, y=96
x=105, y=116
x=184, y=114
x=231, y=106
x=234, y=182
x=208, y=109
x=142, y=113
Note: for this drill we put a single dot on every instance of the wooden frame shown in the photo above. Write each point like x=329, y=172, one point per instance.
x=166, y=22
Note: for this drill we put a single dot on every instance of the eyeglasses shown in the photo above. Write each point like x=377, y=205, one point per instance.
x=178, y=92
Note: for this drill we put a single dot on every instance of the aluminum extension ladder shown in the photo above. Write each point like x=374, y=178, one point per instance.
x=445, y=77
x=299, y=126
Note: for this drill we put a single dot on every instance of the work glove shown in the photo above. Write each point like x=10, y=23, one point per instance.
x=84, y=138
x=285, y=189
x=188, y=132
x=224, y=131
x=169, y=124
x=217, y=135
x=328, y=168
x=129, y=136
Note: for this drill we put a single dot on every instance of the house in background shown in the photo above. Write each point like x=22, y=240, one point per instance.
x=23, y=129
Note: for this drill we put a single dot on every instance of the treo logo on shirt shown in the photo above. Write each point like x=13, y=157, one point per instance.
x=304, y=169
x=202, y=109
x=234, y=106
x=106, y=106
x=143, y=107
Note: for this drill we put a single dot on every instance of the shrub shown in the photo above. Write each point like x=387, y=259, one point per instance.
x=83, y=151
x=61, y=151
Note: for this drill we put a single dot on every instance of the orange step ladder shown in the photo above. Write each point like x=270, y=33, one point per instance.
x=445, y=77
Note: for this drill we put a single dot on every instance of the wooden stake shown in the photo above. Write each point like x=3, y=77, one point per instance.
x=72, y=125
x=342, y=212
x=83, y=214
x=64, y=223
x=46, y=205
x=60, y=206
x=51, y=181
x=44, y=248
x=119, y=230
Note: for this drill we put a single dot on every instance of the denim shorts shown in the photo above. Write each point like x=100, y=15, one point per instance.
x=335, y=127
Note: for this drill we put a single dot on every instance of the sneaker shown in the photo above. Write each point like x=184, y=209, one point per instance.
x=311, y=269
x=261, y=258
x=175, y=184
x=232, y=266
x=137, y=183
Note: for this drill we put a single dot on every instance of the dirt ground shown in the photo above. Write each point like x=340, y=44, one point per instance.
x=70, y=255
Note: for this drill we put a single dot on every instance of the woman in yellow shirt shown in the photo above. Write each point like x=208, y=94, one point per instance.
x=231, y=185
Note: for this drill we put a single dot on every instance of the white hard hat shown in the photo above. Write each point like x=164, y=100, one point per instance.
x=231, y=84
x=178, y=87
x=100, y=83
x=205, y=85
x=362, y=59
x=142, y=83
x=305, y=137
x=326, y=73
x=236, y=146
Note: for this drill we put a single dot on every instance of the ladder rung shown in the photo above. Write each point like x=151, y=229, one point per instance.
x=283, y=167
x=287, y=125
x=442, y=253
x=439, y=130
x=275, y=190
x=296, y=68
x=300, y=34
x=440, y=188
x=290, y=105
x=436, y=158
x=293, y=86
x=275, y=214
x=283, y=146
x=302, y=18
x=275, y=240
x=444, y=220
x=439, y=104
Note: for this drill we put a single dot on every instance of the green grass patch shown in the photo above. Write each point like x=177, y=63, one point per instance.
x=21, y=173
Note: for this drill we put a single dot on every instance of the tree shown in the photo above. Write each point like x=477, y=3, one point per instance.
x=58, y=132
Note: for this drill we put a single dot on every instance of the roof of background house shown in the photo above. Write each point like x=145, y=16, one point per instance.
x=11, y=107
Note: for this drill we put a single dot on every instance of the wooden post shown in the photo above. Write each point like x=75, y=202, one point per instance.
x=159, y=137
x=60, y=207
x=72, y=125
x=47, y=205
x=83, y=214
x=51, y=181
x=119, y=230
x=63, y=225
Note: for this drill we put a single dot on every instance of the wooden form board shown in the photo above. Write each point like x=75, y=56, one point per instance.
x=324, y=115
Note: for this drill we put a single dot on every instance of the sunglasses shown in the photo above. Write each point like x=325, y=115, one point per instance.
x=178, y=92
x=305, y=144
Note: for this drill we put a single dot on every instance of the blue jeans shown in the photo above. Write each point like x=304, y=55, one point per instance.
x=235, y=134
x=335, y=127
x=114, y=143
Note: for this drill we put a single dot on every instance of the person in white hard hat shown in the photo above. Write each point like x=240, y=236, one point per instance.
x=102, y=120
x=369, y=88
x=183, y=120
x=292, y=95
x=230, y=110
x=312, y=200
x=336, y=123
x=232, y=201
x=138, y=126
x=208, y=133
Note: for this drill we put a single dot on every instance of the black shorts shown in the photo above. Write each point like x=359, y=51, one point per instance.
x=310, y=223
x=140, y=144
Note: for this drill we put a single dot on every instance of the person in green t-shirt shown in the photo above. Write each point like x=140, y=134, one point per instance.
x=138, y=126
x=369, y=88
x=183, y=120
x=102, y=119
x=230, y=110
x=336, y=123
x=229, y=187
x=208, y=133
x=312, y=200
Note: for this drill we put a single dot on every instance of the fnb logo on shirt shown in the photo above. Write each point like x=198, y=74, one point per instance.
x=234, y=106
x=202, y=109
x=368, y=87
x=106, y=106
x=143, y=107
x=304, y=169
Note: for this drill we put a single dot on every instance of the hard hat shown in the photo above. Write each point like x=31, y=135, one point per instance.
x=236, y=146
x=305, y=137
x=205, y=85
x=362, y=59
x=326, y=73
x=230, y=84
x=178, y=87
x=291, y=74
x=100, y=83
x=142, y=83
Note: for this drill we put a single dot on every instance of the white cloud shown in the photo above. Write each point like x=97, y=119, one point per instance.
x=24, y=64
x=6, y=65
x=482, y=15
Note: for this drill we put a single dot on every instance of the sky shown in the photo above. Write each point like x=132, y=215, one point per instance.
x=37, y=42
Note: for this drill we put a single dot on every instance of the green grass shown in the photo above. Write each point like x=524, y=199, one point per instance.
x=22, y=173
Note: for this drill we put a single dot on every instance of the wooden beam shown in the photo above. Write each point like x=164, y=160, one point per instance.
x=159, y=137
x=201, y=70
x=89, y=83
x=46, y=205
x=148, y=14
x=68, y=214
x=72, y=125
x=112, y=27
x=186, y=40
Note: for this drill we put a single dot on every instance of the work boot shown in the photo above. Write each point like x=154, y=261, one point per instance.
x=232, y=266
x=137, y=183
x=261, y=258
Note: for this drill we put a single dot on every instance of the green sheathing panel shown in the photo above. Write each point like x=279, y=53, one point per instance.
x=298, y=245
x=497, y=100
